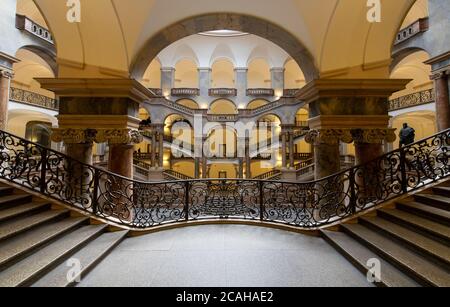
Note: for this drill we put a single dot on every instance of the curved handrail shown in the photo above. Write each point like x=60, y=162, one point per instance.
x=143, y=205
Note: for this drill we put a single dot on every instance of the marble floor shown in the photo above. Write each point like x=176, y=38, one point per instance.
x=225, y=256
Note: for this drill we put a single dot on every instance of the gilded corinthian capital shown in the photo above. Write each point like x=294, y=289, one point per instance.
x=373, y=136
x=328, y=136
x=73, y=136
x=118, y=136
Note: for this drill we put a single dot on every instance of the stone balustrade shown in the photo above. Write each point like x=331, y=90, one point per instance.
x=421, y=25
x=26, y=24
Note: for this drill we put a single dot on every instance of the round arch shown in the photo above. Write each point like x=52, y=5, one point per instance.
x=401, y=54
x=190, y=103
x=256, y=103
x=230, y=21
x=48, y=56
x=223, y=106
x=423, y=122
x=259, y=73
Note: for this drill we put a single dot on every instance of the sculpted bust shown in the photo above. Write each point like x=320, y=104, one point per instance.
x=407, y=135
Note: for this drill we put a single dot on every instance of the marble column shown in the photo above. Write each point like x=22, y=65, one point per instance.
x=327, y=157
x=442, y=101
x=197, y=168
x=277, y=75
x=369, y=143
x=283, y=149
x=167, y=80
x=204, y=168
x=204, y=78
x=161, y=147
x=291, y=149
x=121, y=147
x=241, y=84
x=248, y=160
x=5, y=82
x=241, y=168
x=153, y=146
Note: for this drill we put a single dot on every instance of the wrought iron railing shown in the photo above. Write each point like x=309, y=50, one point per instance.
x=30, y=98
x=185, y=92
x=412, y=100
x=260, y=92
x=143, y=205
x=223, y=92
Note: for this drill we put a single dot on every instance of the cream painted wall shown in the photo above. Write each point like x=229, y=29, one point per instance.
x=185, y=167
x=259, y=74
x=186, y=74
x=152, y=77
x=424, y=122
x=293, y=75
x=223, y=74
x=230, y=169
x=223, y=106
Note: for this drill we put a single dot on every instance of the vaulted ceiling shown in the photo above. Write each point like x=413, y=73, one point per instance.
x=112, y=34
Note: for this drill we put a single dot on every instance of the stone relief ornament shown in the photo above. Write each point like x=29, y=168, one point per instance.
x=329, y=136
x=119, y=136
x=374, y=136
x=73, y=136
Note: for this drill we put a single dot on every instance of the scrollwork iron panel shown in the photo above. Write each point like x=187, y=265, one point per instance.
x=143, y=205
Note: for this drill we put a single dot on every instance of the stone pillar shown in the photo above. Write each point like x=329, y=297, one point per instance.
x=121, y=147
x=369, y=143
x=283, y=149
x=161, y=147
x=248, y=160
x=197, y=168
x=241, y=168
x=153, y=145
x=277, y=75
x=241, y=84
x=442, y=101
x=327, y=157
x=167, y=80
x=5, y=82
x=204, y=168
x=291, y=149
x=204, y=78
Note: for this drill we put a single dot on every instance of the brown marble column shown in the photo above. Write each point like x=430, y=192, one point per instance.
x=327, y=157
x=204, y=168
x=121, y=148
x=291, y=149
x=442, y=101
x=197, y=168
x=241, y=168
x=248, y=160
x=153, y=161
x=283, y=150
x=369, y=143
x=5, y=82
x=161, y=148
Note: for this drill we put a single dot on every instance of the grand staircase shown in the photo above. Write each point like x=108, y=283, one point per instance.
x=37, y=240
x=411, y=239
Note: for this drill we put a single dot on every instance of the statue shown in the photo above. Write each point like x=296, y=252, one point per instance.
x=407, y=135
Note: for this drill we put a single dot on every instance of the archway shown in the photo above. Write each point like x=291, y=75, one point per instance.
x=423, y=122
x=222, y=107
x=223, y=74
x=152, y=76
x=229, y=21
x=259, y=74
x=189, y=103
x=257, y=103
x=293, y=75
x=186, y=74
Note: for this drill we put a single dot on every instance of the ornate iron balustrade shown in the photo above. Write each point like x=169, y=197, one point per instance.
x=143, y=205
x=412, y=100
x=26, y=24
x=291, y=92
x=30, y=98
x=413, y=29
x=223, y=92
x=185, y=92
x=260, y=92
x=223, y=118
x=157, y=91
x=274, y=175
x=176, y=175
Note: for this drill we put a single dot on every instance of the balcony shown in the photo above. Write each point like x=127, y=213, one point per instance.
x=181, y=92
x=412, y=100
x=223, y=92
x=156, y=91
x=26, y=24
x=25, y=97
x=302, y=124
x=290, y=92
x=261, y=92
x=417, y=27
x=223, y=118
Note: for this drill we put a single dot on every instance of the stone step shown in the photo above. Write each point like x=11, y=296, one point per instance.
x=425, y=211
x=17, y=226
x=359, y=256
x=437, y=201
x=4, y=191
x=15, y=249
x=432, y=250
x=411, y=263
x=89, y=256
x=8, y=201
x=443, y=191
x=427, y=227
x=22, y=210
x=27, y=271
